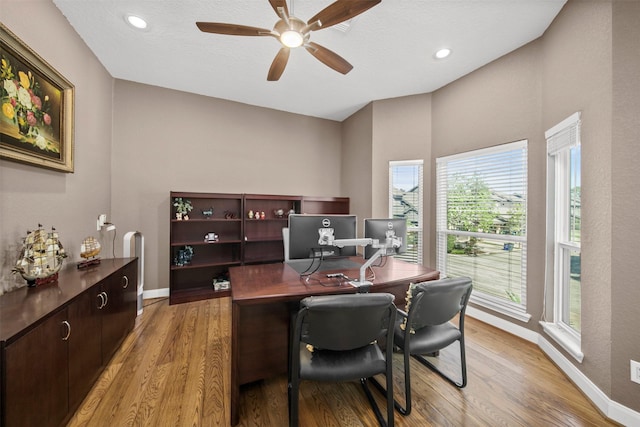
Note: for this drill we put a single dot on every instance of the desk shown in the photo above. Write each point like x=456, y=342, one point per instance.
x=265, y=296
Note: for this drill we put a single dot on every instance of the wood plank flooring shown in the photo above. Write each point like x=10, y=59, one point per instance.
x=174, y=370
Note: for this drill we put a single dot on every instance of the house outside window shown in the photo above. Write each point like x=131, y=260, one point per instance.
x=481, y=218
x=564, y=227
x=405, y=201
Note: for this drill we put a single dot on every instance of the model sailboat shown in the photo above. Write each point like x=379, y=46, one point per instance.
x=41, y=257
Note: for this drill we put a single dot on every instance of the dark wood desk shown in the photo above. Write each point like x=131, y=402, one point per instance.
x=265, y=296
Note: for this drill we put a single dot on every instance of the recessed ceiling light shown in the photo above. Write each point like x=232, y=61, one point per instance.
x=442, y=53
x=136, y=21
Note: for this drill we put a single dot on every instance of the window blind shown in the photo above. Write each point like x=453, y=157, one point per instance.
x=481, y=205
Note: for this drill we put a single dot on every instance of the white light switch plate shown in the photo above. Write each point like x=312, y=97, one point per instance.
x=635, y=371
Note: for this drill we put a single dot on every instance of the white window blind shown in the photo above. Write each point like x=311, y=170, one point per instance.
x=481, y=219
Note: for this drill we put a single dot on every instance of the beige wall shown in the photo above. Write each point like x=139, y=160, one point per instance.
x=625, y=203
x=577, y=76
x=165, y=140
x=401, y=131
x=357, y=154
x=31, y=195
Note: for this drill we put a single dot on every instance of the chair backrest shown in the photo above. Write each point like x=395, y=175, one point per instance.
x=345, y=322
x=438, y=301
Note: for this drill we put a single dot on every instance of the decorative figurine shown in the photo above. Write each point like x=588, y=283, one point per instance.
x=89, y=250
x=279, y=213
x=262, y=216
x=208, y=213
x=211, y=237
x=229, y=215
x=250, y=214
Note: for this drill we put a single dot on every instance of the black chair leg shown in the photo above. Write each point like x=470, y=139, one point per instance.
x=463, y=367
x=406, y=410
x=293, y=404
x=372, y=401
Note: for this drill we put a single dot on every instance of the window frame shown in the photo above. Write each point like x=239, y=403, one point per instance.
x=501, y=305
x=559, y=242
x=419, y=230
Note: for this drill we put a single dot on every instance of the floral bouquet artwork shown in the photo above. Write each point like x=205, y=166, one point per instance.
x=36, y=108
x=25, y=104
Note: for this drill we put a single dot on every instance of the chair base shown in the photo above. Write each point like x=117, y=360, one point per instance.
x=425, y=362
x=406, y=410
x=372, y=401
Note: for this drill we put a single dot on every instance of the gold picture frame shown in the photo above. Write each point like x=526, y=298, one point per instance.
x=36, y=108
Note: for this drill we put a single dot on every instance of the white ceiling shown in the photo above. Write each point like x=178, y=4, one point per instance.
x=390, y=46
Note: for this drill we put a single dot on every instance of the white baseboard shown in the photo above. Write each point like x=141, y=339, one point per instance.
x=610, y=408
x=155, y=293
x=505, y=325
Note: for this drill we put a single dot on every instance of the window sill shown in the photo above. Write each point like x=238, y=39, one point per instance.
x=506, y=308
x=566, y=340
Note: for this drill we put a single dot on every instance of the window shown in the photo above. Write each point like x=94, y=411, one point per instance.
x=405, y=201
x=563, y=232
x=481, y=218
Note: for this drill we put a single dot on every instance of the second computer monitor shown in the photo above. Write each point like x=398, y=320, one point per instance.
x=382, y=229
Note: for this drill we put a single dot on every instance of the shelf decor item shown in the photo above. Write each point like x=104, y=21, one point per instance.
x=221, y=284
x=41, y=257
x=208, y=213
x=183, y=207
x=36, y=108
x=211, y=237
x=89, y=250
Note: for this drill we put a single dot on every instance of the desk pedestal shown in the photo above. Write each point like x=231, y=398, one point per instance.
x=264, y=298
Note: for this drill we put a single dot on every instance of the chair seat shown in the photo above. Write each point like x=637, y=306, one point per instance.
x=328, y=365
x=428, y=339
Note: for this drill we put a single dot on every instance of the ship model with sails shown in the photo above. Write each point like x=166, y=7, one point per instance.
x=41, y=257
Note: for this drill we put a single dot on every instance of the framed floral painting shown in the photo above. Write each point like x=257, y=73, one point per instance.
x=36, y=116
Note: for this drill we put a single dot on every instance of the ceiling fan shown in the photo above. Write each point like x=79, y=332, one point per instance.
x=292, y=32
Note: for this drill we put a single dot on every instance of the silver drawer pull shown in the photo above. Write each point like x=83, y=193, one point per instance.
x=66, y=337
x=101, y=302
x=125, y=282
x=106, y=299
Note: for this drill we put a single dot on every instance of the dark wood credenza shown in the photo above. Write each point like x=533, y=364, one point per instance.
x=56, y=339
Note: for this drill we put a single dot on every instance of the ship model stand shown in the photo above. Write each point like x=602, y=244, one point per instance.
x=41, y=257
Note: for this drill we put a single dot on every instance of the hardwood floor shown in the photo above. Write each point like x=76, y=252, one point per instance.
x=174, y=370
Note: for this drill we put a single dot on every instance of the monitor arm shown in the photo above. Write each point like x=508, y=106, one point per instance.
x=326, y=239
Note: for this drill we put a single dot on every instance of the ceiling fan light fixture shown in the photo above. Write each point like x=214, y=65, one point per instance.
x=291, y=38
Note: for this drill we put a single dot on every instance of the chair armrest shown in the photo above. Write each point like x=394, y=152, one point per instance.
x=401, y=313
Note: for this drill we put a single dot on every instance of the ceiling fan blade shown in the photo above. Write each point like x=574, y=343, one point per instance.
x=278, y=64
x=232, y=29
x=329, y=58
x=275, y=4
x=341, y=10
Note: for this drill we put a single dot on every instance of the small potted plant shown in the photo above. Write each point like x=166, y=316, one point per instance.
x=183, y=207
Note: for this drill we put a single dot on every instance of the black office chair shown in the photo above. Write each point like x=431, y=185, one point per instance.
x=426, y=328
x=342, y=330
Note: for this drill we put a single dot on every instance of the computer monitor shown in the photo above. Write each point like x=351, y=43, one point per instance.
x=383, y=229
x=305, y=232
